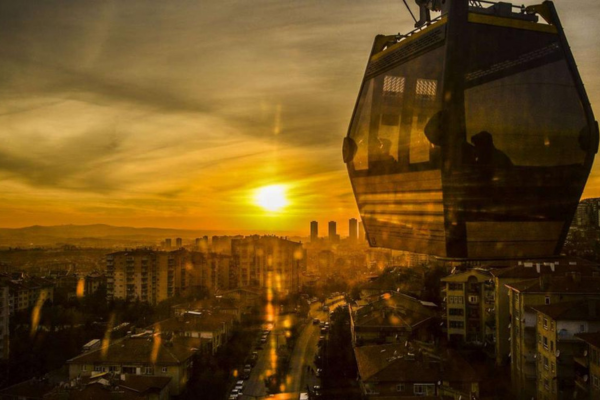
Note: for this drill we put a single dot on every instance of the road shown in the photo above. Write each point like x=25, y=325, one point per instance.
x=303, y=354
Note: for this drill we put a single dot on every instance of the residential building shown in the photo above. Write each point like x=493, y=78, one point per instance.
x=522, y=271
x=523, y=296
x=146, y=354
x=178, y=243
x=93, y=281
x=4, y=321
x=101, y=386
x=268, y=262
x=213, y=271
x=557, y=344
x=393, y=318
x=26, y=292
x=213, y=328
x=587, y=367
x=148, y=275
x=469, y=307
x=399, y=371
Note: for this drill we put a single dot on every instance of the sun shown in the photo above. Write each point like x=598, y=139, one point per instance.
x=271, y=198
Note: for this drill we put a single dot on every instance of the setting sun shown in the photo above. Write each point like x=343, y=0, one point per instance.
x=271, y=198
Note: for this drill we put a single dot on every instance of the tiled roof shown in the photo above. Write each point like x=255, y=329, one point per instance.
x=392, y=363
x=154, y=349
x=31, y=389
x=592, y=338
x=529, y=269
x=587, y=310
x=558, y=284
x=195, y=323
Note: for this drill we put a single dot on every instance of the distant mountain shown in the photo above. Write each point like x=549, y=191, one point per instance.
x=103, y=235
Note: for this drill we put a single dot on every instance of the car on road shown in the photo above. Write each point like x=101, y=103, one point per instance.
x=303, y=396
x=323, y=330
x=233, y=397
x=239, y=383
x=321, y=340
x=325, y=308
x=316, y=321
x=247, y=371
x=319, y=372
x=317, y=391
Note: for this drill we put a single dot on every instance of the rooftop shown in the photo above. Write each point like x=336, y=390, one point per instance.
x=144, y=349
x=592, y=338
x=557, y=284
x=586, y=310
x=396, y=363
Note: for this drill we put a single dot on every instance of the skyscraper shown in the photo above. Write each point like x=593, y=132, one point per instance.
x=332, y=231
x=168, y=243
x=353, y=227
x=314, y=231
x=178, y=243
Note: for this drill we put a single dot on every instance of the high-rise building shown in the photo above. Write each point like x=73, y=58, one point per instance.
x=168, y=243
x=268, y=262
x=178, y=243
x=353, y=229
x=314, y=231
x=332, y=231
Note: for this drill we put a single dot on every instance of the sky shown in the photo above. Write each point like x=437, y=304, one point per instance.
x=173, y=113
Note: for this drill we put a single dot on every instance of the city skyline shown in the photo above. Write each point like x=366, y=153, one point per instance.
x=142, y=115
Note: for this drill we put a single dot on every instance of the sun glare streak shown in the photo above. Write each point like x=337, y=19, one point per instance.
x=156, y=345
x=107, y=334
x=35, y=315
x=80, y=288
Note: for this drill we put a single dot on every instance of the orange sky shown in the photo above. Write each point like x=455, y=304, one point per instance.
x=170, y=114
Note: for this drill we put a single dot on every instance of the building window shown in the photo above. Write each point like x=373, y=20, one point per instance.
x=473, y=299
x=164, y=369
x=596, y=381
x=547, y=300
x=400, y=387
x=98, y=368
x=545, y=340
x=456, y=311
x=546, y=384
x=553, y=367
x=84, y=367
x=455, y=286
x=552, y=345
x=546, y=323
x=546, y=365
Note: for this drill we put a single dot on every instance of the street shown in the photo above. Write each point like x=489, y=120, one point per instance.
x=303, y=354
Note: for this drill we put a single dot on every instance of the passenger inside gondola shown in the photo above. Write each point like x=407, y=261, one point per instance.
x=381, y=159
x=485, y=152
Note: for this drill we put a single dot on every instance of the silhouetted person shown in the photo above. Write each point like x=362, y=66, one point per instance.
x=381, y=159
x=486, y=154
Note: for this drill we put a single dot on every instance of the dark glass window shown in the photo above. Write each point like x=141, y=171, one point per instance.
x=525, y=110
x=393, y=109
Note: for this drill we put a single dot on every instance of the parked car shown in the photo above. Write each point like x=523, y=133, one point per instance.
x=319, y=372
x=316, y=321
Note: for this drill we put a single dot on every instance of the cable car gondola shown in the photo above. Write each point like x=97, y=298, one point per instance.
x=472, y=136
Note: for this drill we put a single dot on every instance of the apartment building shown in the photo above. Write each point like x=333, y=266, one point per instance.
x=523, y=296
x=557, y=345
x=214, y=271
x=145, y=354
x=469, y=303
x=27, y=292
x=587, y=367
x=522, y=271
x=268, y=262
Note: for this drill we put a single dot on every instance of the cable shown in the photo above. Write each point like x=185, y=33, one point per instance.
x=410, y=11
